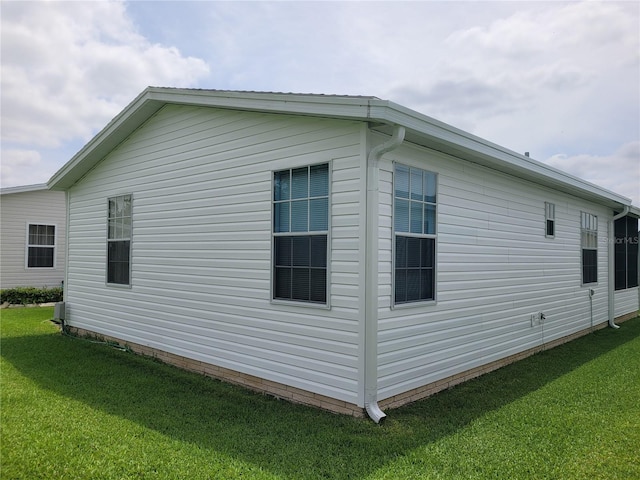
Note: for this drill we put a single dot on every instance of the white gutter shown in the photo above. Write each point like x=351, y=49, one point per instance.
x=611, y=254
x=371, y=274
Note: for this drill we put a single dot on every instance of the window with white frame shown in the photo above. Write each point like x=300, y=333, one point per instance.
x=414, y=221
x=550, y=219
x=300, y=233
x=589, y=245
x=41, y=246
x=119, y=240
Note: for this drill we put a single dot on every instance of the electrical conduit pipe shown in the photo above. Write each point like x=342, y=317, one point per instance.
x=371, y=274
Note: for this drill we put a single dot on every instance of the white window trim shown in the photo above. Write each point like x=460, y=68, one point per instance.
x=106, y=252
x=273, y=235
x=549, y=215
x=54, y=246
x=418, y=303
x=589, y=217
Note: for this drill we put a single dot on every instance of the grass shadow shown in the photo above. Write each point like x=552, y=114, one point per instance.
x=291, y=441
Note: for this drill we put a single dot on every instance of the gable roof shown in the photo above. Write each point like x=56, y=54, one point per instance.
x=382, y=115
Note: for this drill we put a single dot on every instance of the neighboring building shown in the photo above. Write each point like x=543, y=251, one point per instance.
x=344, y=252
x=32, y=237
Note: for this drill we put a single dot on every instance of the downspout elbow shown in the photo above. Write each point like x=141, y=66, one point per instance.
x=396, y=139
x=374, y=412
x=622, y=213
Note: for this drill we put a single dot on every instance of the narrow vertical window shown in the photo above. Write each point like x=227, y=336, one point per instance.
x=550, y=219
x=300, y=231
x=41, y=246
x=414, y=222
x=626, y=253
x=589, y=245
x=119, y=240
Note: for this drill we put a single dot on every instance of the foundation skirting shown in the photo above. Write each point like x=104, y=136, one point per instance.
x=297, y=395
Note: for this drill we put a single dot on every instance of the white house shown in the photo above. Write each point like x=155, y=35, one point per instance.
x=339, y=251
x=32, y=237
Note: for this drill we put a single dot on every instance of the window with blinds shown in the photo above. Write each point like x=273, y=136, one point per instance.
x=300, y=231
x=41, y=246
x=589, y=245
x=414, y=221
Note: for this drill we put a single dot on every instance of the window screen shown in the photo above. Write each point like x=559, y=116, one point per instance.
x=626, y=253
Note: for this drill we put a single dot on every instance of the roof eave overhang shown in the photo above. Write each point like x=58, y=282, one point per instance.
x=114, y=133
x=153, y=99
x=421, y=129
x=439, y=136
x=23, y=189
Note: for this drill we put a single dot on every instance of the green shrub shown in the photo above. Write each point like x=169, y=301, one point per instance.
x=26, y=295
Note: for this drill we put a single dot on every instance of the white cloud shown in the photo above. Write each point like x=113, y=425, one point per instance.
x=541, y=77
x=22, y=167
x=69, y=67
x=556, y=79
x=618, y=171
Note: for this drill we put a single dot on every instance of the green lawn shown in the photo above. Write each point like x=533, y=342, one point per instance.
x=78, y=410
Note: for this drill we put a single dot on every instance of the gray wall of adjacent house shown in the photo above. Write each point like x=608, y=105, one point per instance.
x=201, y=181
x=17, y=211
x=495, y=268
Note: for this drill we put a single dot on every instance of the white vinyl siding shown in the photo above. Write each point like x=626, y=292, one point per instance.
x=18, y=211
x=202, y=183
x=494, y=269
x=626, y=301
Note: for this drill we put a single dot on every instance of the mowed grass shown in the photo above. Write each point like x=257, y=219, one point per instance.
x=78, y=410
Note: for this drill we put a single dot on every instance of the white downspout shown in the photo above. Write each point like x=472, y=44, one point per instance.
x=611, y=252
x=371, y=274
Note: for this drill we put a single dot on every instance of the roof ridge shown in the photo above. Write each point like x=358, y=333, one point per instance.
x=310, y=94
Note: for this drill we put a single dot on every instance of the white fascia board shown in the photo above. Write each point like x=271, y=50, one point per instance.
x=154, y=98
x=634, y=211
x=23, y=189
x=115, y=132
x=332, y=106
x=491, y=154
x=429, y=131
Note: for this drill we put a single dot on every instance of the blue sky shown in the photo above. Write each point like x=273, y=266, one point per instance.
x=560, y=80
